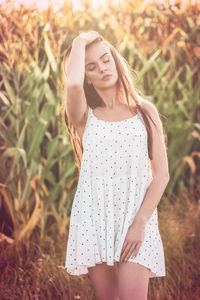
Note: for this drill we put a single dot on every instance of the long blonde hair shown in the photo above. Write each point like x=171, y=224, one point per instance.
x=130, y=95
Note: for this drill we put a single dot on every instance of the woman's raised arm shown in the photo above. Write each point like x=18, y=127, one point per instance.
x=76, y=104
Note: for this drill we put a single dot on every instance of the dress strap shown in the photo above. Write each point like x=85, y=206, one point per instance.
x=90, y=112
x=140, y=116
x=89, y=116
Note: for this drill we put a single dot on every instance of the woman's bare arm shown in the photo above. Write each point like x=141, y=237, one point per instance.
x=159, y=167
x=75, y=67
x=76, y=104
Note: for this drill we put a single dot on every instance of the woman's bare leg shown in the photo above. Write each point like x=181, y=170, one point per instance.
x=133, y=280
x=104, y=281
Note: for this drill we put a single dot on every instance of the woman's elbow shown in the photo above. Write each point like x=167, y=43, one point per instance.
x=166, y=176
x=163, y=176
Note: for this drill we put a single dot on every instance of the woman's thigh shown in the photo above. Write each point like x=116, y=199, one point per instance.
x=133, y=280
x=104, y=281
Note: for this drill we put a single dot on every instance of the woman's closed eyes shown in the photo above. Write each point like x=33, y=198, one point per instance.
x=106, y=61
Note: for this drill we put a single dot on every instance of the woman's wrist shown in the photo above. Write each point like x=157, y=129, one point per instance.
x=140, y=219
x=78, y=40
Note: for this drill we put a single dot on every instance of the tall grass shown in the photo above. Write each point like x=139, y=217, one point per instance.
x=34, y=146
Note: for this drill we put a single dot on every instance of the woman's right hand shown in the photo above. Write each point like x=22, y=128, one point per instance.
x=88, y=37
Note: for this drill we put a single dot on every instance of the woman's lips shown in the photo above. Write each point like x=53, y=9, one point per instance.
x=106, y=77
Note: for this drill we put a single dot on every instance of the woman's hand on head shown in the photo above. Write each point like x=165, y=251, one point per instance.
x=88, y=37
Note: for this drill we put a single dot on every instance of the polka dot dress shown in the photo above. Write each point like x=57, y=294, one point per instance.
x=114, y=176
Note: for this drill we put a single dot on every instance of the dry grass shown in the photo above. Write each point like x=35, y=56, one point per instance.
x=179, y=227
x=34, y=270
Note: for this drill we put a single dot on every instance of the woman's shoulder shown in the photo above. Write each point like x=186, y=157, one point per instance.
x=147, y=105
x=152, y=110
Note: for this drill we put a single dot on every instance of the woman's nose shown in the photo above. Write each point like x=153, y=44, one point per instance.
x=102, y=67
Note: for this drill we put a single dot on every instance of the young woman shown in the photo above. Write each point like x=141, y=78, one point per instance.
x=120, y=150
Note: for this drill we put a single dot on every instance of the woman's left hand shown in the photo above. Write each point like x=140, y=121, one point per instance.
x=133, y=241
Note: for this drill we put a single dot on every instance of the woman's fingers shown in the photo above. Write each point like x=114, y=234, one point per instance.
x=133, y=246
x=130, y=251
x=125, y=251
x=92, y=35
x=89, y=36
x=135, y=251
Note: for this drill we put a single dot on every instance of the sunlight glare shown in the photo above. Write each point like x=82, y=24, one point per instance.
x=77, y=4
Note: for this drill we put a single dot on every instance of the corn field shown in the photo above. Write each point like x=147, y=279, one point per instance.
x=38, y=175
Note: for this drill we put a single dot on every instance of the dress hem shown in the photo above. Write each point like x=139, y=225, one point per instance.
x=76, y=271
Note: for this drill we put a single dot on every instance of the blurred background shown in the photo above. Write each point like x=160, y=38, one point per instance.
x=38, y=174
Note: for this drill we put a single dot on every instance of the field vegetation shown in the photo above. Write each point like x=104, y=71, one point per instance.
x=38, y=175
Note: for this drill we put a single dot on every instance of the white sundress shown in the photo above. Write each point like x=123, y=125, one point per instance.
x=114, y=176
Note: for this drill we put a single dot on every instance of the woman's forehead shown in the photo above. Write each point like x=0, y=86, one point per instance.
x=95, y=51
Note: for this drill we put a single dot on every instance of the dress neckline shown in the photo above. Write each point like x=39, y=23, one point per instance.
x=120, y=121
